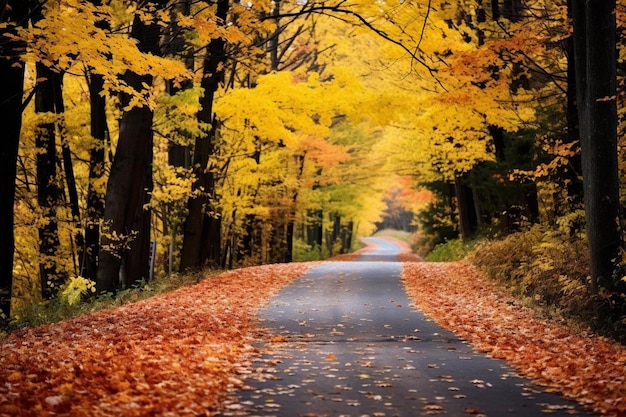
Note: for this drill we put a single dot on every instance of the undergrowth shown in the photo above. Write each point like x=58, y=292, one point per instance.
x=77, y=298
x=549, y=270
x=396, y=234
x=451, y=250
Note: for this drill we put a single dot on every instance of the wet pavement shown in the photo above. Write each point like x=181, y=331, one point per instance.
x=345, y=341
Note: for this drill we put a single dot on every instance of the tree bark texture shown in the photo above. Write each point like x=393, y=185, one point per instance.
x=12, y=81
x=202, y=230
x=596, y=68
x=465, y=206
x=126, y=260
x=574, y=171
x=48, y=190
x=95, y=198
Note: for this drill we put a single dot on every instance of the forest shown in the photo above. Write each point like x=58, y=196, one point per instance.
x=147, y=139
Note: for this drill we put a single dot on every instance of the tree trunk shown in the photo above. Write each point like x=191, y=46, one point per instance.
x=314, y=229
x=124, y=255
x=574, y=170
x=202, y=230
x=335, y=233
x=49, y=88
x=95, y=197
x=288, y=255
x=596, y=68
x=346, y=237
x=12, y=80
x=465, y=207
x=178, y=154
x=72, y=191
x=125, y=251
x=512, y=10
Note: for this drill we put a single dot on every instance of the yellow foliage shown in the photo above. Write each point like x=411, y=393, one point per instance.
x=76, y=288
x=68, y=39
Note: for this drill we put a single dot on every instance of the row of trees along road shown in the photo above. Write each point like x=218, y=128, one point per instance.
x=220, y=133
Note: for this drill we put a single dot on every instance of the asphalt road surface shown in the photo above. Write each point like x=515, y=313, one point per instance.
x=348, y=342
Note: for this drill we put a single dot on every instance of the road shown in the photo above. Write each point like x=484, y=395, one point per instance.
x=347, y=342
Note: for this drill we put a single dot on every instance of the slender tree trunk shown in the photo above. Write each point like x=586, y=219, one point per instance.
x=95, y=197
x=346, y=237
x=465, y=206
x=251, y=238
x=574, y=170
x=48, y=191
x=202, y=230
x=179, y=154
x=314, y=229
x=291, y=216
x=596, y=68
x=72, y=191
x=125, y=252
x=11, y=91
x=289, y=231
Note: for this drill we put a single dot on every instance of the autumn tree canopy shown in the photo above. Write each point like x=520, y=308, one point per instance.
x=152, y=137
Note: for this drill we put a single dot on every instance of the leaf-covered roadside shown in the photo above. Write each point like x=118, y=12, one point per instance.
x=171, y=355
x=584, y=367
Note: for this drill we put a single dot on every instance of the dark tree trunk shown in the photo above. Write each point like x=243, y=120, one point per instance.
x=574, y=170
x=95, y=198
x=49, y=88
x=596, y=68
x=121, y=263
x=289, y=231
x=495, y=10
x=202, y=230
x=512, y=10
x=179, y=154
x=314, y=230
x=273, y=42
x=247, y=239
x=346, y=237
x=466, y=209
x=12, y=81
x=335, y=233
x=290, y=227
x=125, y=261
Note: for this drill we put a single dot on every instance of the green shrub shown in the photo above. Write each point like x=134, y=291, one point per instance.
x=451, y=250
x=306, y=253
x=75, y=289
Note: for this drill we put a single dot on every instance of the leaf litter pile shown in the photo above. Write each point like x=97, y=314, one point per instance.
x=584, y=367
x=176, y=354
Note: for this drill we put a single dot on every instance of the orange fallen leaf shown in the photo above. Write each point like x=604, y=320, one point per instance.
x=583, y=366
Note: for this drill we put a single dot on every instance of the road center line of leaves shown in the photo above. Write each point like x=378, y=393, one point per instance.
x=585, y=367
